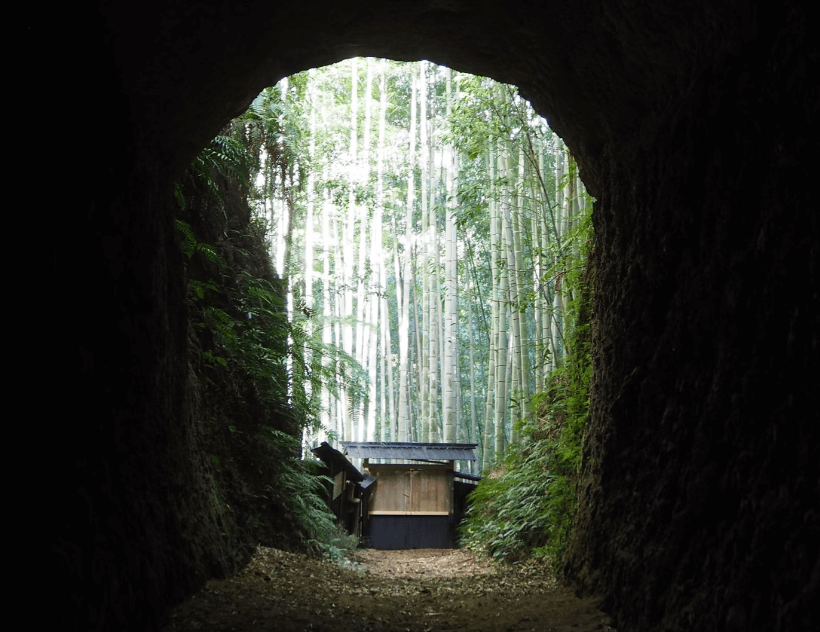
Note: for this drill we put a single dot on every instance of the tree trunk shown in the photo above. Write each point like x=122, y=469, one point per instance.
x=473, y=417
x=489, y=416
x=309, y=263
x=448, y=387
x=424, y=160
x=372, y=308
x=404, y=322
x=434, y=303
x=501, y=357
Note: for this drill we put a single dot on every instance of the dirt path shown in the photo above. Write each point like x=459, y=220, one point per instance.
x=418, y=590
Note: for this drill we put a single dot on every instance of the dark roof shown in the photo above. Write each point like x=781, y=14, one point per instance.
x=331, y=455
x=412, y=451
x=467, y=476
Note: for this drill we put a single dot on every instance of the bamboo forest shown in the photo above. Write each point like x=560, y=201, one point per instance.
x=429, y=234
x=430, y=226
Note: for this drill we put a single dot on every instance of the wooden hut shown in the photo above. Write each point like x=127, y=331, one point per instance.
x=348, y=493
x=414, y=502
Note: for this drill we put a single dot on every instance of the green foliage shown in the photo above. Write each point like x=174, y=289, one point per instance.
x=527, y=506
x=224, y=155
x=246, y=315
x=245, y=337
x=255, y=339
x=301, y=490
x=335, y=545
x=191, y=246
x=274, y=139
x=340, y=370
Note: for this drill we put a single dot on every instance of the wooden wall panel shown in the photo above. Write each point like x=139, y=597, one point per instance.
x=411, y=490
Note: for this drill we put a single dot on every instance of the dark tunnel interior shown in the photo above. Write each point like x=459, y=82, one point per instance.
x=695, y=127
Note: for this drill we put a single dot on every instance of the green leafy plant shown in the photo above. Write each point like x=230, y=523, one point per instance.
x=247, y=333
x=302, y=491
x=527, y=506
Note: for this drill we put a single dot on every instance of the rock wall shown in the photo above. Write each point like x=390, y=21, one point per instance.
x=693, y=125
x=699, y=503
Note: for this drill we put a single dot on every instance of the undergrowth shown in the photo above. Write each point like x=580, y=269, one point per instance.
x=301, y=489
x=527, y=505
x=251, y=355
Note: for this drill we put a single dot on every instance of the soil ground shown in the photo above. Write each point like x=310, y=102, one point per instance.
x=420, y=590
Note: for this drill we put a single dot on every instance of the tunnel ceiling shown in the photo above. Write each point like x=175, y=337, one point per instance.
x=595, y=71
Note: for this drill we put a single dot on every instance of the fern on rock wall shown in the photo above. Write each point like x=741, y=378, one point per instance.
x=262, y=492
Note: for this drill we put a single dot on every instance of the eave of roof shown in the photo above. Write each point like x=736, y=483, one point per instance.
x=329, y=454
x=412, y=451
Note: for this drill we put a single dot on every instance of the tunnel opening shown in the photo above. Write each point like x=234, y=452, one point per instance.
x=467, y=187
x=347, y=184
x=693, y=129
